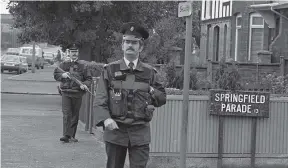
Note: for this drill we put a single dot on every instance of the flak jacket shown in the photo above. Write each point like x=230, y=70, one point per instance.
x=124, y=96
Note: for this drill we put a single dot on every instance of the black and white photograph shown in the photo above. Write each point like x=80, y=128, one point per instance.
x=144, y=84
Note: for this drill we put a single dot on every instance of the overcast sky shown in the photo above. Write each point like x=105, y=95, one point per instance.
x=3, y=5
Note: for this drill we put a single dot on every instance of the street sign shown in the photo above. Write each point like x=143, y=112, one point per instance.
x=239, y=103
x=184, y=9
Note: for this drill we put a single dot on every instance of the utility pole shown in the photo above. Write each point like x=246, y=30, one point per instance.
x=185, y=9
x=33, y=58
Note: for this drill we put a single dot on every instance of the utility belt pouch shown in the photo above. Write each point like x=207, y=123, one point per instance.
x=118, y=102
x=116, y=93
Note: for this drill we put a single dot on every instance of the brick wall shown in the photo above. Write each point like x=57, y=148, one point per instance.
x=249, y=72
x=201, y=70
x=243, y=8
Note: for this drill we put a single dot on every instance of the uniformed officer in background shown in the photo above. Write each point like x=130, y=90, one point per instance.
x=72, y=92
x=128, y=90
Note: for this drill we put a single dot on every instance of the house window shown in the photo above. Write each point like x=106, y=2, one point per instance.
x=216, y=43
x=226, y=9
x=215, y=6
x=205, y=6
x=207, y=42
x=225, y=41
x=238, y=27
x=256, y=33
x=210, y=9
x=219, y=9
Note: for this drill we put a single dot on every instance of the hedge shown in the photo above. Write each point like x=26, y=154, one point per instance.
x=96, y=69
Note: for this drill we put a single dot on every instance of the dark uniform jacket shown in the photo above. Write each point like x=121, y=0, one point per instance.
x=124, y=96
x=76, y=69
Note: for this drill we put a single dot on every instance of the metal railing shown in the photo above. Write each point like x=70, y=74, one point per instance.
x=165, y=126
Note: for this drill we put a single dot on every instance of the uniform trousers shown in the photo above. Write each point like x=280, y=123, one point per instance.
x=70, y=108
x=138, y=155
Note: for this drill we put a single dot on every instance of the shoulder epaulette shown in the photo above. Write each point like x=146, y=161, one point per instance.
x=150, y=67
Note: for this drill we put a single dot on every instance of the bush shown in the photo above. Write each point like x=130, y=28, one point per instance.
x=162, y=75
x=178, y=81
x=174, y=91
x=227, y=78
x=95, y=68
x=276, y=84
x=171, y=74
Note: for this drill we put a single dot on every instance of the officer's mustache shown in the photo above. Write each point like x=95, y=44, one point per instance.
x=130, y=49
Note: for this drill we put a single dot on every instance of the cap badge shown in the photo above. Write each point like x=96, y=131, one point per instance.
x=132, y=28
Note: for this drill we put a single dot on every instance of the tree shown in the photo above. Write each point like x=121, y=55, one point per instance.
x=89, y=24
x=167, y=32
x=170, y=32
x=62, y=23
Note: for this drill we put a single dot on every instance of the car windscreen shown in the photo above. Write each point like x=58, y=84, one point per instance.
x=14, y=50
x=11, y=59
x=29, y=51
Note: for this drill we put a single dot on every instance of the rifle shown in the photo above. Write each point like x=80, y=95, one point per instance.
x=75, y=80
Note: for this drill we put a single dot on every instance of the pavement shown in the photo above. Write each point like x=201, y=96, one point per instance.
x=31, y=125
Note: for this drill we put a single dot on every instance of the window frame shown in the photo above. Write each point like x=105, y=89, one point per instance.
x=251, y=26
x=237, y=35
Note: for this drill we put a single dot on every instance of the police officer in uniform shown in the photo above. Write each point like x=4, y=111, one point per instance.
x=128, y=90
x=72, y=92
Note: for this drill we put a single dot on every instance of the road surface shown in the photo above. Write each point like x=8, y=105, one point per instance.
x=6, y=75
x=39, y=82
x=31, y=127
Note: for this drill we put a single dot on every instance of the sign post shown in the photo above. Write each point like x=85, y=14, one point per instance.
x=185, y=10
x=242, y=104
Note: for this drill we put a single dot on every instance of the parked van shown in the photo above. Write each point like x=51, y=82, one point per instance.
x=27, y=52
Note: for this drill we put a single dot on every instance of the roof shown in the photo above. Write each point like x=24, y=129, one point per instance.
x=277, y=5
x=266, y=12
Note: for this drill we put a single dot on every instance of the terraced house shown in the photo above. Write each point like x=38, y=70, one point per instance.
x=244, y=31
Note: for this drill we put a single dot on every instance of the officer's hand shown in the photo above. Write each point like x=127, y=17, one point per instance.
x=150, y=107
x=110, y=124
x=66, y=75
x=84, y=87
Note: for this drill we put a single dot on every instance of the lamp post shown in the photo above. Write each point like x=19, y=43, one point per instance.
x=33, y=58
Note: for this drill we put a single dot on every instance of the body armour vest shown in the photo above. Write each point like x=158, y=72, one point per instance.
x=129, y=93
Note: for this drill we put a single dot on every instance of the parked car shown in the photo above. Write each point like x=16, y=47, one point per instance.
x=27, y=52
x=14, y=63
x=13, y=51
x=49, y=57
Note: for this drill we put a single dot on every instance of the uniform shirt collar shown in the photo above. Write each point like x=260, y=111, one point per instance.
x=127, y=62
x=74, y=61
